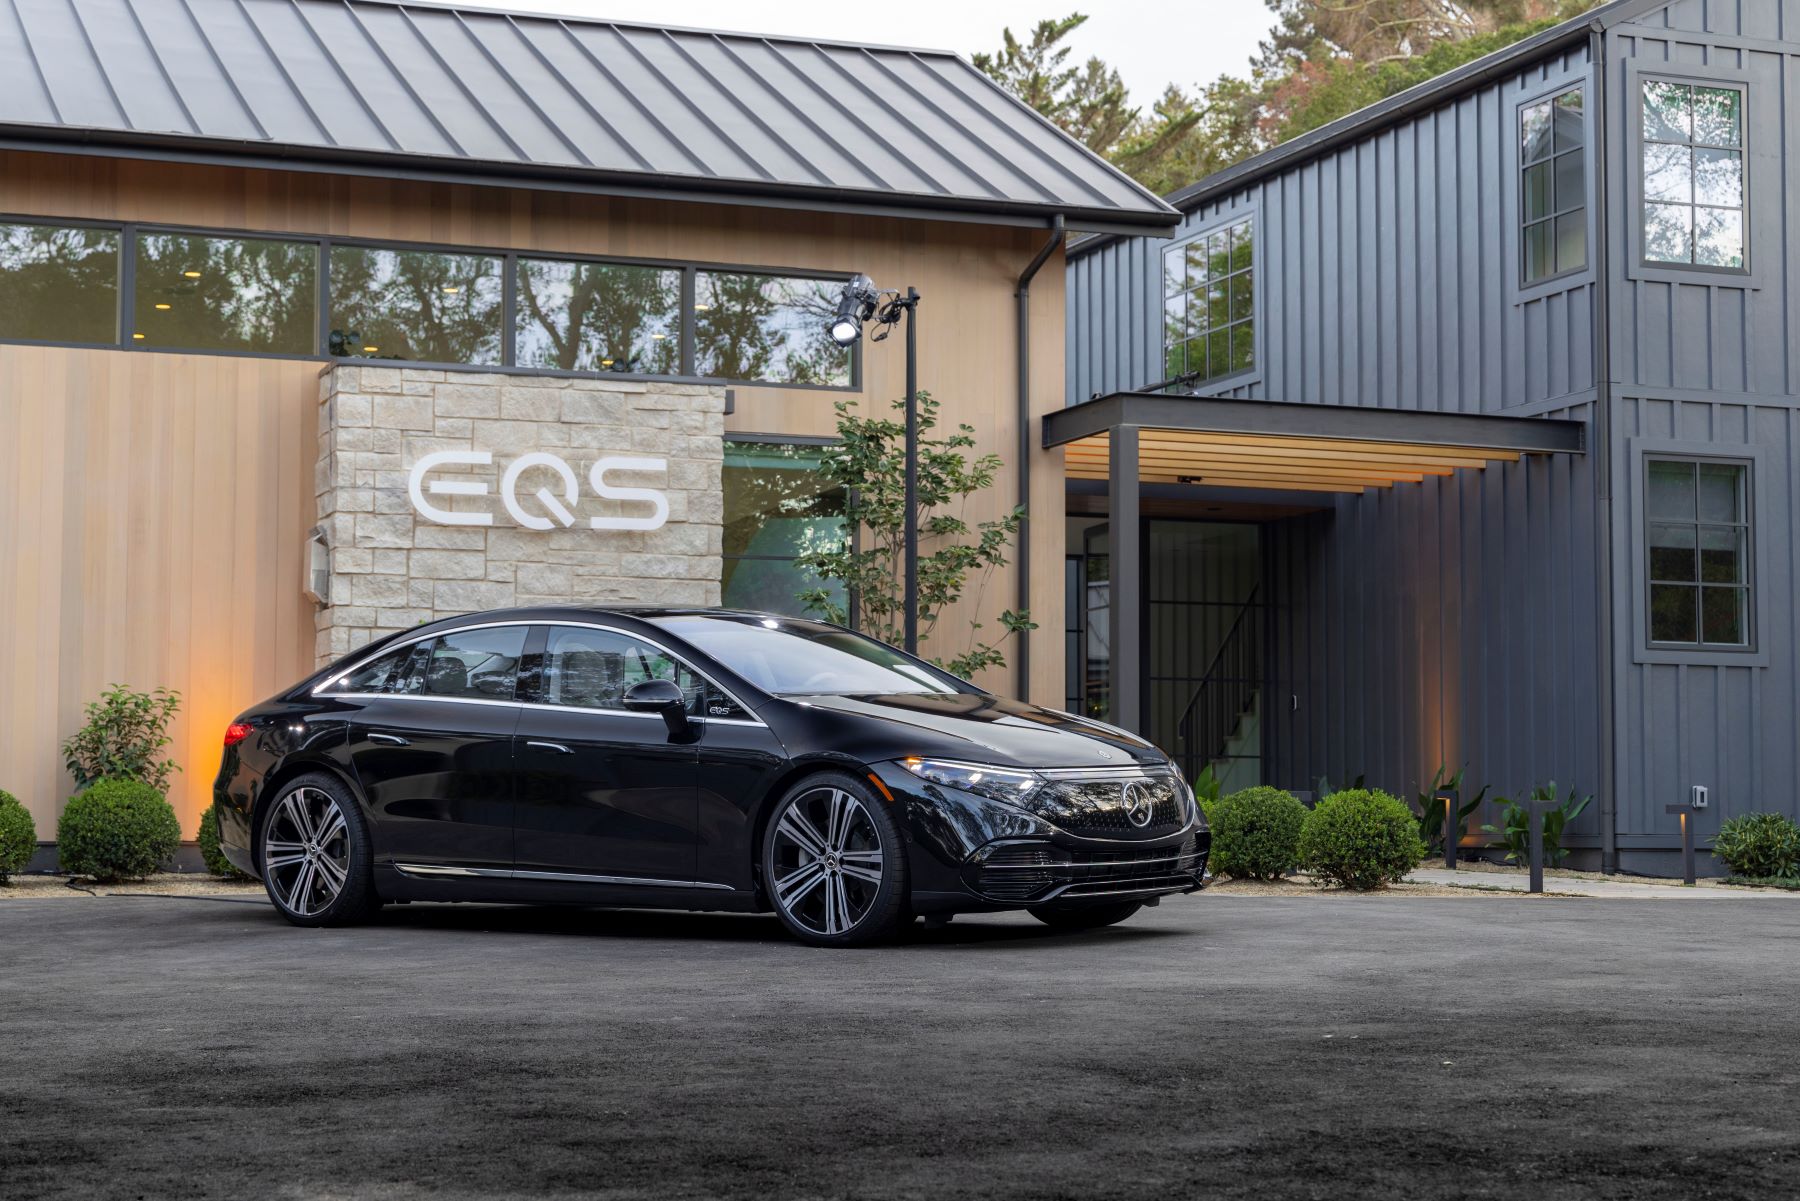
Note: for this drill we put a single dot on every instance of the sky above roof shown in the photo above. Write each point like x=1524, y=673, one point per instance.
x=1150, y=42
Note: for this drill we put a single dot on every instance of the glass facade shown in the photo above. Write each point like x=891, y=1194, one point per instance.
x=59, y=284
x=1209, y=304
x=777, y=507
x=1699, y=553
x=1693, y=174
x=767, y=327
x=419, y=305
x=598, y=317
x=1553, y=186
x=194, y=292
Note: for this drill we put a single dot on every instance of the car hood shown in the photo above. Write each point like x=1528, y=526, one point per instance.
x=988, y=729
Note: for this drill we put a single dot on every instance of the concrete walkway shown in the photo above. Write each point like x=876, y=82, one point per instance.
x=1620, y=888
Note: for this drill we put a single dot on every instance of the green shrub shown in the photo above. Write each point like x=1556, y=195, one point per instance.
x=208, y=838
x=1361, y=839
x=1433, y=811
x=117, y=830
x=18, y=836
x=1515, y=824
x=1256, y=833
x=125, y=729
x=1764, y=846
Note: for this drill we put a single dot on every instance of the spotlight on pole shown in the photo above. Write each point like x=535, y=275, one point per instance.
x=855, y=306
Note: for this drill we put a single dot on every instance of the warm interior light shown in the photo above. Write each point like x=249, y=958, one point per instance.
x=606, y=362
x=191, y=274
x=236, y=732
x=370, y=349
x=137, y=337
x=163, y=306
x=701, y=308
x=451, y=289
x=659, y=337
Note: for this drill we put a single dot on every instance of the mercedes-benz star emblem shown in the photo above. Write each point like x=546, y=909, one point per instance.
x=1140, y=806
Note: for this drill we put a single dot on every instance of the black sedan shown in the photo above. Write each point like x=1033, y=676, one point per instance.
x=692, y=759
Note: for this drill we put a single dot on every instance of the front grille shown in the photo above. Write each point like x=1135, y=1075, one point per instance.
x=1102, y=806
x=1022, y=872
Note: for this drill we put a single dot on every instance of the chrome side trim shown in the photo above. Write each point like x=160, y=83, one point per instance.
x=1154, y=771
x=502, y=873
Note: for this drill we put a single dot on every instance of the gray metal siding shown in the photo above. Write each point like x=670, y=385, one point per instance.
x=431, y=84
x=1387, y=270
x=1710, y=362
x=1451, y=622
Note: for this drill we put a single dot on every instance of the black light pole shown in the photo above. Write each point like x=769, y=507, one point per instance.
x=861, y=302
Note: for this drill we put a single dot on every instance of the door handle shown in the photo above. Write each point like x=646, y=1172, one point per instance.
x=395, y=739
x=555, y=747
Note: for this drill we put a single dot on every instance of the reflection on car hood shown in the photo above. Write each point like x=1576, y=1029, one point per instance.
x=995, y=729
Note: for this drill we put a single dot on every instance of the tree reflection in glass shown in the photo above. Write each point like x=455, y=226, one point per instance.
x=421, y=306
x=767, y=327
x=245, y=294
x=59, y=285
x=598, y=317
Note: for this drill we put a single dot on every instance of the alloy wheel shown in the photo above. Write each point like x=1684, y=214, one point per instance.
x=306, y=854
x=827, y=861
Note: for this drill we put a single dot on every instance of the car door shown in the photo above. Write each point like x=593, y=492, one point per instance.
x=433, y=748
x=603, y=792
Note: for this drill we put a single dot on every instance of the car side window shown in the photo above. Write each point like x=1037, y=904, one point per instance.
x=471, y=664
x=377, y=675
x=594, y=669
x=719, y=704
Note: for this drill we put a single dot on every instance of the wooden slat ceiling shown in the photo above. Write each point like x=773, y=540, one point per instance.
x=1268, y=461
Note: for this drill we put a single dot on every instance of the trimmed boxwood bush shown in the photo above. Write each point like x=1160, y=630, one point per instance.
x=1760, y=845
x=208, y=838
x=1362, y=839
x=1256, y=833
x=117, y=830
x=18, y=836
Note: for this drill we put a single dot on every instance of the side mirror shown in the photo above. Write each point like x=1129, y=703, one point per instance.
x=660, y=696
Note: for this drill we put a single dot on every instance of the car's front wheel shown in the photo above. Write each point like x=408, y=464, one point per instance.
x=1088, y=917
x=834, y=865
x=315, y=855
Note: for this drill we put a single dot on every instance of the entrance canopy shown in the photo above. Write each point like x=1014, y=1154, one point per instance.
x=1149, y=438
x=1294, y=447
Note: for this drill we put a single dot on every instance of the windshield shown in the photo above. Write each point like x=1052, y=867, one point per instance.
x=792, y=657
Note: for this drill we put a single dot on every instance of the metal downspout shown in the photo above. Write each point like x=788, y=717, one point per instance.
x=1603, y=461
x=1022, y=664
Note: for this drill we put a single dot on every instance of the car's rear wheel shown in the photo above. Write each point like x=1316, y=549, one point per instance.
x=834, y=865
x=315, y=855
x=1088, y=917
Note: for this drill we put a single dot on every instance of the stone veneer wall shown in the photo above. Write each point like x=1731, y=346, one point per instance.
x=392, y=568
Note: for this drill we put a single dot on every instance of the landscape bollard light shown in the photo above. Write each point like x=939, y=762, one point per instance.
x=1537, y=849
x=1452, y=829
x=1687, y=841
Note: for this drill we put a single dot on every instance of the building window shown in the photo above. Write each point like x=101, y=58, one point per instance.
x=59, y=284
x=777, y=507
x=767, y=328
x=423, y=306
x=1699, y=553
x=598, y=317
x=1693, y=174
x=193, y=292
x=1553, y=186
x=1209, y=304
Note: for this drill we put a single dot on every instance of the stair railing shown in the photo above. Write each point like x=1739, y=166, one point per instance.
x=1224, y=694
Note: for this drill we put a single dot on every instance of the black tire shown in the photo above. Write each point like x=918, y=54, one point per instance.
x=318, y=870
x=810, y=907
x=1088, y=917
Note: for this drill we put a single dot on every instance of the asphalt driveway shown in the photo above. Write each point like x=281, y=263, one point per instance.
x=1476, y=1047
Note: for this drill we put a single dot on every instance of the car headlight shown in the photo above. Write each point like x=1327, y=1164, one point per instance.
x=1008, y=784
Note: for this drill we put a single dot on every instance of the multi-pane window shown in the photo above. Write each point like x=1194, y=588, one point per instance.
x=1698, y=535
x=777, y=507
x=194, y=292
x=420, y=305
x=1553, y=186
x=767, y=327
x=1209, y=304
x=59, y=284
x=598, y=317
x=1693, y=174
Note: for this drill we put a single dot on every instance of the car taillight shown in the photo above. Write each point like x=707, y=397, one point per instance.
x=236, y=732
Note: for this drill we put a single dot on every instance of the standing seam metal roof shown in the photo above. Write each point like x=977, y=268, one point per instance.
x=462, y=91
